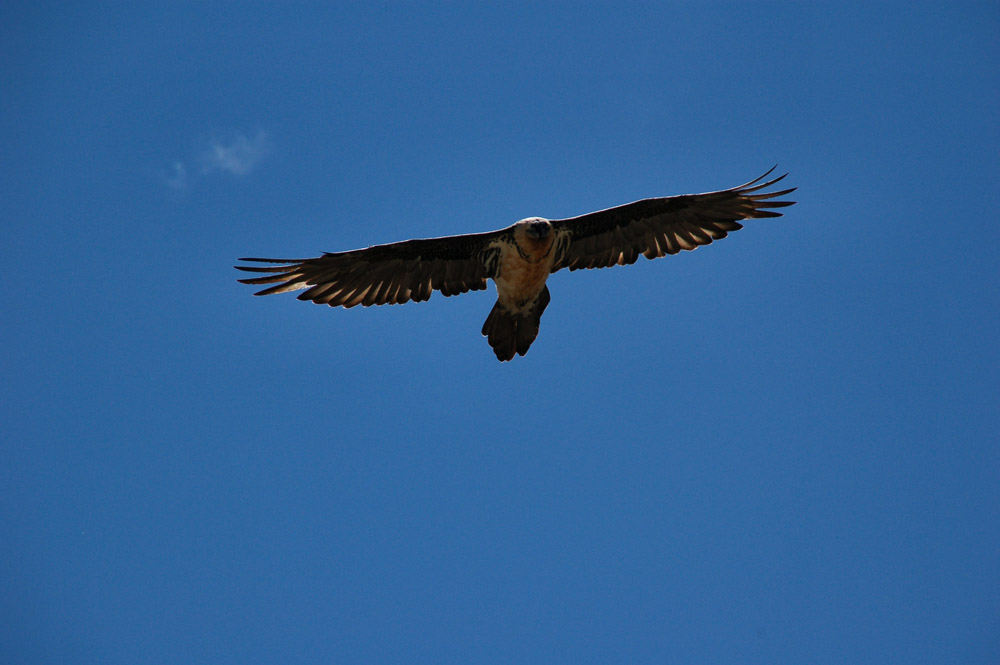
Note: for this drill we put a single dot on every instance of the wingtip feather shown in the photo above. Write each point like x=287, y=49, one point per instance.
x=758, y=179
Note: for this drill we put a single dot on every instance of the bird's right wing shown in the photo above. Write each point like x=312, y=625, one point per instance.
x=387, y=274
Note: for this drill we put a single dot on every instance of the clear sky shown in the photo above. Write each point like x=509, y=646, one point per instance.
x=782, y=448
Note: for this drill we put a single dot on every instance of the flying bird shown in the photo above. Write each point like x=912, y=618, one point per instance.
x=519, y=258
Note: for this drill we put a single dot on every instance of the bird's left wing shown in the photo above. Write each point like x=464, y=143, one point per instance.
x=386, y=274
x=656, y=227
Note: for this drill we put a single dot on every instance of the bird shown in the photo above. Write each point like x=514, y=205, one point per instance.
x=519, y=258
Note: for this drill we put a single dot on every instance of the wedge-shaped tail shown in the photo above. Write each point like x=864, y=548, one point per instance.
x=513, y=332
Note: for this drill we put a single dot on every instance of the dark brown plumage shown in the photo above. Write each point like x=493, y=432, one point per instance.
x=519, y=258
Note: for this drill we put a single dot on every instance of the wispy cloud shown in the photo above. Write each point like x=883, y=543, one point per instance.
x=239, y=155
x=177, y=177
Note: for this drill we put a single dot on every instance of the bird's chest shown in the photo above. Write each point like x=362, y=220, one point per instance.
x=522, y=274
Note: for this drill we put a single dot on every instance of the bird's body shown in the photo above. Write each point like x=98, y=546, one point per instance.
x=522, y=295
x=519, y=258
x=523, y=272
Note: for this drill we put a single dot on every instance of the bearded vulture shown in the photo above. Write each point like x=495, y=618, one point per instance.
x=518, y=258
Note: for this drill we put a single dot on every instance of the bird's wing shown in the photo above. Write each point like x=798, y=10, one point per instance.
x=655, y=227
x=387, y=274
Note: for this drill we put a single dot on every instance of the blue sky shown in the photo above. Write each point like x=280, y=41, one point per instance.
x=782, y=448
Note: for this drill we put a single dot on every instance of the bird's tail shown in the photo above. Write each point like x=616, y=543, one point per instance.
x=509, y=333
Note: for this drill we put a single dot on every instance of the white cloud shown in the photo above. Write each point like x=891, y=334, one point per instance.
x=238, y=156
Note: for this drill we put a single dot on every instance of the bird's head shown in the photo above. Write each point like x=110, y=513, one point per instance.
x=536, y=227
